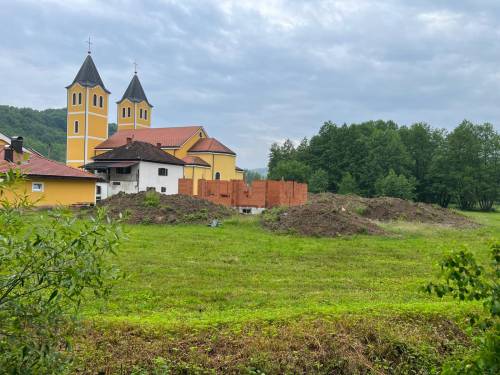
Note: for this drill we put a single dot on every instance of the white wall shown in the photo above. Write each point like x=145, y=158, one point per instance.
x=148, y=177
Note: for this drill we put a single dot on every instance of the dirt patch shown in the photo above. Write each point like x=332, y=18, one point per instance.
x=318, y=219
x=388, y=209
x=155, y=208
x=329, y=215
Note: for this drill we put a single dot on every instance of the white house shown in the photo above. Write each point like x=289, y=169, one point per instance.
x=134, y=167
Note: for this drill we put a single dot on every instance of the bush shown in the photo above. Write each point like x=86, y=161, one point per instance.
x=397, y=186
x=152, y=199
x=465, y=279
x=47, y=265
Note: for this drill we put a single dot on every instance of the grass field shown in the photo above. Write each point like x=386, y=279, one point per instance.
x=239, y=299
x=196, y=275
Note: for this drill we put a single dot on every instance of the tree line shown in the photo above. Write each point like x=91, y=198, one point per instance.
x=43, y=131
x=381, y=158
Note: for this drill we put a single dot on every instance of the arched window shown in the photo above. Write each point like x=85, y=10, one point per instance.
x=201, y=135
x=217, y=175
x=128, y=111
x=74, y=98
x=79, y=98
x=101, y=102
x=123, y=112
x=145, y=114
x=76, y=127
x=95, y=100
x=140, y=113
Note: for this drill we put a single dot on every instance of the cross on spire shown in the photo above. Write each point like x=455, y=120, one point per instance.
x=89, y=43
x=135, y=67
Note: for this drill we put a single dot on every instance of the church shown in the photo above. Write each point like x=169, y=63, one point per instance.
x=138, y=156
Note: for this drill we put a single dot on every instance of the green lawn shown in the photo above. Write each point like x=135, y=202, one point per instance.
x=196, y=275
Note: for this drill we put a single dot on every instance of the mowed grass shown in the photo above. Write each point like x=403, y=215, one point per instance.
x=196, y=275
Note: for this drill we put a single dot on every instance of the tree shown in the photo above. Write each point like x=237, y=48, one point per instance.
x=318, y=182
x=348, y=185
x=48, y=264
x=397, y=186
x=466, y=280
x=280, y=153
x=251, y=176
x=422, y=143
x=290, y=170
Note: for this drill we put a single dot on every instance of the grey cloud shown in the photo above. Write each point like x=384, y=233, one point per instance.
x=254, y=72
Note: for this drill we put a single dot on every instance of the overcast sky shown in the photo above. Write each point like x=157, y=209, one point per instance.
x=258, y=71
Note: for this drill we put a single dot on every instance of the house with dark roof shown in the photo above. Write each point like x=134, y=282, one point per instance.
x=136, y=166
x=204, y=157
x=46, y=182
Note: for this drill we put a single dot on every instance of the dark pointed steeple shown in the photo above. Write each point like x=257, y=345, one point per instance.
x=88, y=76
x=135, y=92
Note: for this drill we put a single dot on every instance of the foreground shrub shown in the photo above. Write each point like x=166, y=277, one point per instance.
x=464, y=279
x=48, y=263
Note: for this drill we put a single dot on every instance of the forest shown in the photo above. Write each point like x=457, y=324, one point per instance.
x=43, y=131
x=382, y=158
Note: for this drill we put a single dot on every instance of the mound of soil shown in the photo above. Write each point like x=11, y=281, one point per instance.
x=388, y=209
x=329, y=215
x=318, y=219
x=155, y=208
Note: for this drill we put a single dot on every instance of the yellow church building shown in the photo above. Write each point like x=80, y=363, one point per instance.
x=203, y=157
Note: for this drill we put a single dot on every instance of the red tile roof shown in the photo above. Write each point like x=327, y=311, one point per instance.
x=167, y=137
x=195, y=160
x=210, y=145
x=37, y=165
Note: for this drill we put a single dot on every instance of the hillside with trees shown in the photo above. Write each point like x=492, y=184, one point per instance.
x=379, y=158
x=43, y=131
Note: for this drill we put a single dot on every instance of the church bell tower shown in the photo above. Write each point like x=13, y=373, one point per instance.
x=134, y=109
x=87, y=120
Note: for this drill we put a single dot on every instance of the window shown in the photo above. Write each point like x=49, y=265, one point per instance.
x=79, y=98
x=128, y=111
x=217, y=175
x=74, y=98
x=101, y=101
x=145, y=114
x=98, y=190
x=116, y=183
x=201, y=135
x=37, y=187
x=95, y=100
x=123, y=170
x=123, y=112
x=162, y=172
x=163, y=189
x=76, y=127
x=140, y=113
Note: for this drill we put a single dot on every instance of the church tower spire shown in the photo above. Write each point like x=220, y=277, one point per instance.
x=87, y=120
x=134, y=109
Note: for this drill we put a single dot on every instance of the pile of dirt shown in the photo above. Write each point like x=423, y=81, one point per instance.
x=329, y=215
x=318, y=219
x=388, y=209
x=155, y=208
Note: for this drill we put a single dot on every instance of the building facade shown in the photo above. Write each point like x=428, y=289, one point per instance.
x=87, y=130
x=135, y=167
x=46, y=182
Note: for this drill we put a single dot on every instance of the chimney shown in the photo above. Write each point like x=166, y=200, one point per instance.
x=16, y=143
x=9, y=154
x=129, y=140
